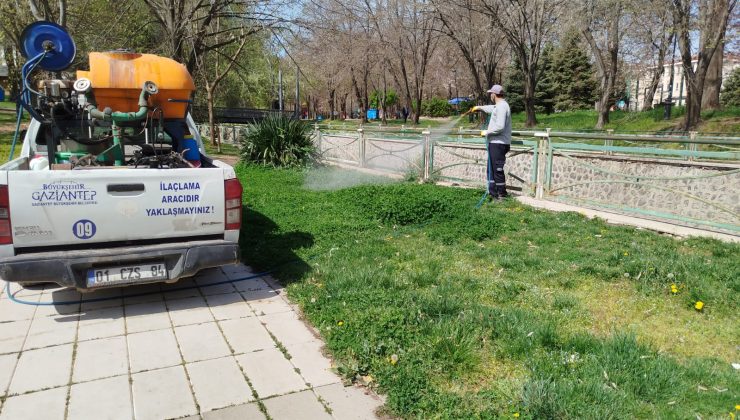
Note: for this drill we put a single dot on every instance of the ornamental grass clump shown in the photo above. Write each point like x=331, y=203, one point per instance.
x=278, y=141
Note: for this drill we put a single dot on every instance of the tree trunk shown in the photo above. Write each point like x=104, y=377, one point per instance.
x=647, y=102
x=331, y=105
x=417, y=111
x=603, y=105
x=530, y=84
x=713, y=82
x=215, y=135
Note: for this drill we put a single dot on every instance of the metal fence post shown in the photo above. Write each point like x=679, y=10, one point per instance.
x=693, y=147
x=317, y=137
x=543, y=144
x=427, y=158
x=361, y=140
x=609, y=142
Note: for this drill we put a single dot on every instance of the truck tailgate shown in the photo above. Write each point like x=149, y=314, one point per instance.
x=74, y=207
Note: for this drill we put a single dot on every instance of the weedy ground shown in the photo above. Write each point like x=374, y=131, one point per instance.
x=454, y=312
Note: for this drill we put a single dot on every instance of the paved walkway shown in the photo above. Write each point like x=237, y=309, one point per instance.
x=230, y=351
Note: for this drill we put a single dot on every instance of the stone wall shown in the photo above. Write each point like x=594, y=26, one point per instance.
x=705, y=194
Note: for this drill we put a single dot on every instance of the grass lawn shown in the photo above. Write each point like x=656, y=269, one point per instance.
x=505, y=311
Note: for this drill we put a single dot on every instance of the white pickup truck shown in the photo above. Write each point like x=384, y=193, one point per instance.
x=99, y=227
x=80, y=216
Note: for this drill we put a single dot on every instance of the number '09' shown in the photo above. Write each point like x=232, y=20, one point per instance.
x=84, y=229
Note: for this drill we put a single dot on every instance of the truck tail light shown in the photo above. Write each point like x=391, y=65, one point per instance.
x=233, y=198
x=6, y=236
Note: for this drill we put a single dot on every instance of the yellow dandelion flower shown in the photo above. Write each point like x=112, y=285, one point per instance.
x=737, y=407
x=674, y=289
x=516, y=415
x=699, y=305
x=626, y=254
x=340, y=323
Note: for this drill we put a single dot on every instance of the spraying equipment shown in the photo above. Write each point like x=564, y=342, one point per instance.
x=112, y=186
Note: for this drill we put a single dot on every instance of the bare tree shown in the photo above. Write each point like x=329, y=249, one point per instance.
x=186, y=24
x=649, y=41
x=526, y=24
x=478, y=39
x=713, y=83
x=712, y=28
x=604, y=17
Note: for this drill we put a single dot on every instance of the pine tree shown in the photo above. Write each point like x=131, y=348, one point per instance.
x=573, y=75
x=731, y=90
x=514, y=86
x=545, y=94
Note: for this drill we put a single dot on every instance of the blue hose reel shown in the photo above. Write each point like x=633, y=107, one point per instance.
x=45, y=45
x=53, y=40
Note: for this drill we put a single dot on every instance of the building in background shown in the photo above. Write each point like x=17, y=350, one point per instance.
x=638, y=88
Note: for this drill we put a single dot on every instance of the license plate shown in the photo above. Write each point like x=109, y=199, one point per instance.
x=126, y=274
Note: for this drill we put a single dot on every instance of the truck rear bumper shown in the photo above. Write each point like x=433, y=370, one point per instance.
x=69, y=268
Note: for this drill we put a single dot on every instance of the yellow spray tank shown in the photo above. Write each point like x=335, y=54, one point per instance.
x=117, y=79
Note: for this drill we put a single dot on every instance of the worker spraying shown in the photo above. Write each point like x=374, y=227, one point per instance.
x=498, y=137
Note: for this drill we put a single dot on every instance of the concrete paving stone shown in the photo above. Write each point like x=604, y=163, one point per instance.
x=301, y=405
x=351, y=402
x=269, y=305
x=249, y=411
x=104, y=399
x=147, y=293
x=210, y=276
x=252, y=285
x=315, y=367
x=187, y=311
x=103, y=298
x=100, y=359
x=146, y=317
x=270, y=373
x=287, y=328
x=218, y=383
x=60, y=294
x=101, y=323
x=246, y=335
x=51, y=331
x=236, y=271
x=217, y=289
x=7, y=365
x=201, y=342
x=57, y=310
x=11, y=311
x=43, y=368
x=162, y=394
x=228, y=306
x=43, y=405
x=12, y=335
x=182, y=289
x=153, y=350
x=23, y=292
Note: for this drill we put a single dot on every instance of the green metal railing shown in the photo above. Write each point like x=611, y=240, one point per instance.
x=621, y=172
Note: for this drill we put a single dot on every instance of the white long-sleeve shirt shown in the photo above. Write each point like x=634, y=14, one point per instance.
x=499, y=126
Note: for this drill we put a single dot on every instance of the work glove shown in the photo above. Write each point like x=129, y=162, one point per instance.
x=473, y=109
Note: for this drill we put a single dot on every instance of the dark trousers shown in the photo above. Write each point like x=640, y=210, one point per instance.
x=495, y=173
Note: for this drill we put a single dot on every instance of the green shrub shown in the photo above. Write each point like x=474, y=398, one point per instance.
x=731, y=90
x=436, y=107
x=278, y=141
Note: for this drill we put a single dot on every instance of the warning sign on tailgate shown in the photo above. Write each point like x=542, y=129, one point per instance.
x=178, y=193
x=63, y=193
